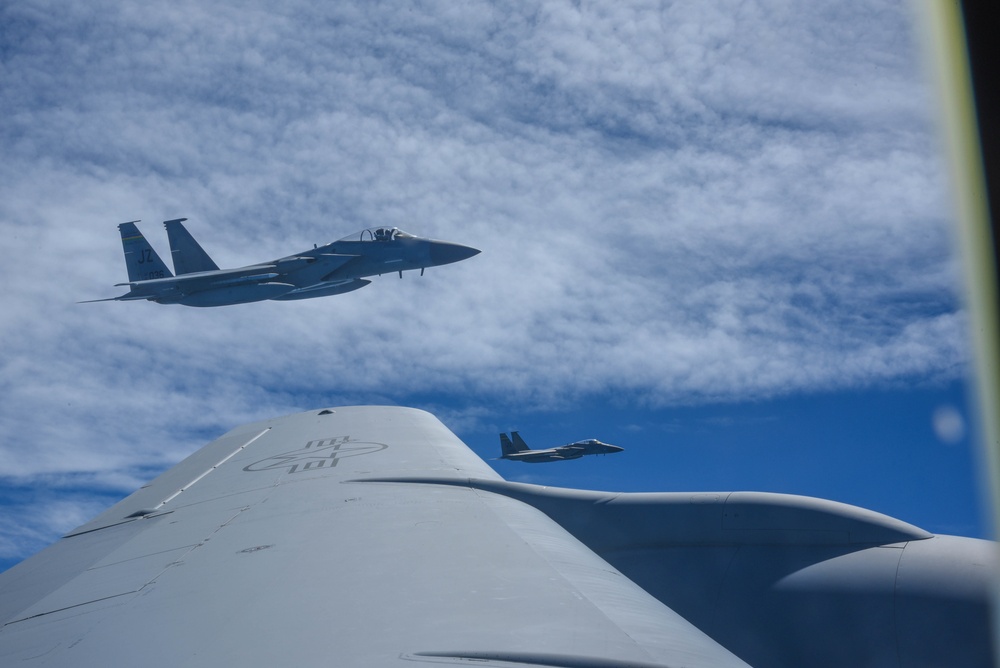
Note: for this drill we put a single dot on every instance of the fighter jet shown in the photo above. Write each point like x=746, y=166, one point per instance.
x=331, y=269
x=519, y=451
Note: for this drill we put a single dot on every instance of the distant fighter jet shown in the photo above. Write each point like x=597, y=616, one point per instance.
x=519, y=451
x=332, y=269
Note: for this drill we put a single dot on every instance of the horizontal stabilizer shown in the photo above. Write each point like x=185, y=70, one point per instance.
x=127, y=297
x=106, y=299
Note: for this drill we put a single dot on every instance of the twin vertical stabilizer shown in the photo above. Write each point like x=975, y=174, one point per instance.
x=144, y=264
x=188, y=256
x=142, y=261
x=509, y=448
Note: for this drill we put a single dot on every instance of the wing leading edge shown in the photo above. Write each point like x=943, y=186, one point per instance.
x=283, y=543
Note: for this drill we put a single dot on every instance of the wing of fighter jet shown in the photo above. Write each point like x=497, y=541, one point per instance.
x=372, y=536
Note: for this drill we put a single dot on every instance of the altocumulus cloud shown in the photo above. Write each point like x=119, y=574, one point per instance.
x=677, y=203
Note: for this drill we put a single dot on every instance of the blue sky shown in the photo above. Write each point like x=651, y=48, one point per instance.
x=717, y=234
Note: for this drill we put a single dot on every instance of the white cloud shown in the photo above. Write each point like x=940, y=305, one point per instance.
x=28, y=527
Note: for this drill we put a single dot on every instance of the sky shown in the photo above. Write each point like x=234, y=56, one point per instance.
x=717, y=234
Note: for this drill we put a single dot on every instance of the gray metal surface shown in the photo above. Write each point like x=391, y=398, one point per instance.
x=368, y=536
x=785, y=580
x=272, y=546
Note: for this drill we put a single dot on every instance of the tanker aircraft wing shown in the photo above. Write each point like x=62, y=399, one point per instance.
x=344, y=537
x=372, y=536
x=331, y=269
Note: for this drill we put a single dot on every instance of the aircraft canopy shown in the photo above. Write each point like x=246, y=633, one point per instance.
x=378, y=234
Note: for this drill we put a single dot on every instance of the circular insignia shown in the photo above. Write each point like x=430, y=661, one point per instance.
x=320, y=454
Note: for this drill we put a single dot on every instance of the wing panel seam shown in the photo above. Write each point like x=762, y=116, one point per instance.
x=205, y=473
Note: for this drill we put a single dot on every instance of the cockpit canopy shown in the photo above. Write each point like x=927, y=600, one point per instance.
x=378, y=234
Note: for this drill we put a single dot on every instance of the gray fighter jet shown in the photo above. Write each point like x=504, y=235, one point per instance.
x=331, y=269
x=519, y=451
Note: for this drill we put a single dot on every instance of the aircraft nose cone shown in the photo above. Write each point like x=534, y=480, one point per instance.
x=443, y=252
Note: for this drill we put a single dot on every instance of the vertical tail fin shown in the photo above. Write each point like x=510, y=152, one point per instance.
x=508, y=448
x=141, y=260
x=187, y=254
x=519, y=443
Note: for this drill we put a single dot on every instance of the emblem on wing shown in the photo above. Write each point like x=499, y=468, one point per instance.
x=319, y=454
